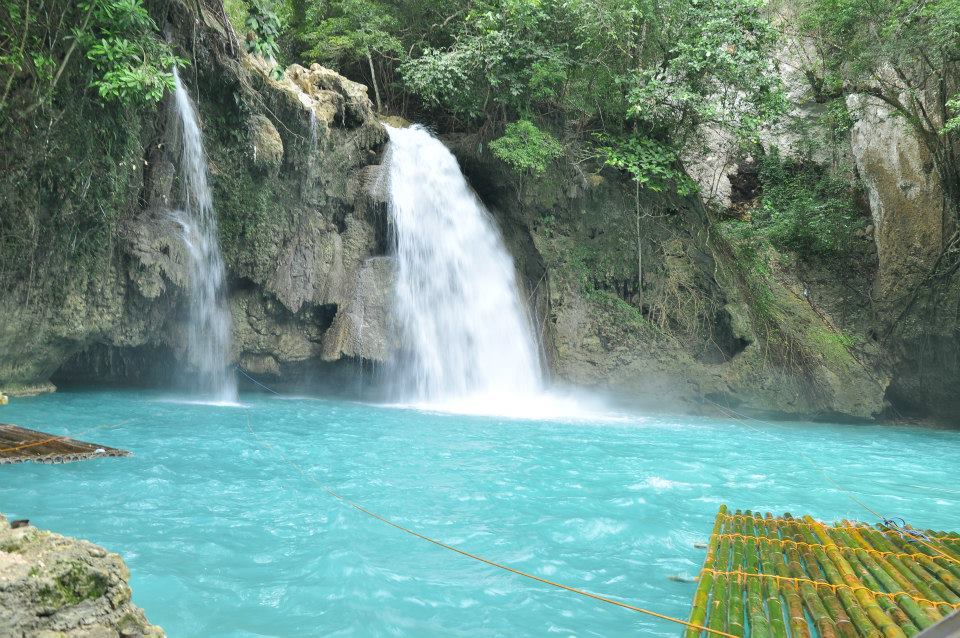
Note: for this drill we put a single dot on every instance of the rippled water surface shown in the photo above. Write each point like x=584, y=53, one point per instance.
x=225, y=536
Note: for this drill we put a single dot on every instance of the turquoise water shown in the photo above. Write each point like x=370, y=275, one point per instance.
x=225, y=538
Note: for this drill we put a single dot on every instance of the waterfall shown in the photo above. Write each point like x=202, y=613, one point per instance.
x=208, y=329
x=461, y=323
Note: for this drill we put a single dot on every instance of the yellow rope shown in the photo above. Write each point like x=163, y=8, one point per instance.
x=477, y=557
x=740, y=574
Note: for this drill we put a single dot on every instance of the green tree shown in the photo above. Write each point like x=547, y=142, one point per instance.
x=905, y=53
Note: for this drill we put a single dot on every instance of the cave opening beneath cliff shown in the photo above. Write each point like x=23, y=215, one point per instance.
x=99, y=364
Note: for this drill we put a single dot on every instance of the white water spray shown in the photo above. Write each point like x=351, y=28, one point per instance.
x=465, y=340
x=208, y=329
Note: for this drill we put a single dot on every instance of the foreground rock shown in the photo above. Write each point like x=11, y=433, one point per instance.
x=52, y=586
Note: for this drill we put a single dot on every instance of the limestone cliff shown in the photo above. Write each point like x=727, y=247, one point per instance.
x=707, y=329
x=290, y=162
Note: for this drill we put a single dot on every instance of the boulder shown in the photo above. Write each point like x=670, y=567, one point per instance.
x=52, y=586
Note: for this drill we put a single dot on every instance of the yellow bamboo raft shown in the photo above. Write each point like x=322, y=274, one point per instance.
x=786, y=577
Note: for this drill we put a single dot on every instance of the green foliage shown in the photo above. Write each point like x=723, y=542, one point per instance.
x=716, y=70
x=125, y=58
x=236, y=11
x=506, y=54
x=803, y=208
x=953, y=124
x=263, y=29
x=644, y=69
x=527, y=148
x=341, y=32
x=653, y=165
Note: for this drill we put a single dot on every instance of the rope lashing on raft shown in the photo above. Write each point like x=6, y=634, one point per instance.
x=477, y=557
x=848, y=550
x=743, y=576
x=64, y=437
x=888, y=532
x=903, y=530
x=910, y=535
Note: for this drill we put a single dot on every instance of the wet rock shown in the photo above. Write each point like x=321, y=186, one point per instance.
x=337, y=101
x=266, y=146
x=361, y=329
x=52, y=586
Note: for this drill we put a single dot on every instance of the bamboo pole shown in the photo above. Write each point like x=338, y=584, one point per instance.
x=701, y=598
x=952, y=541
x=846, y=612
x=771, y=586
x=759, y=624
x=735, y=588
x=934, y=563
x=946, y=543
x=908, y=614
x=791, y=593
x=914, y=579
x=822, y=620
x=718, y=604
x=865, y=598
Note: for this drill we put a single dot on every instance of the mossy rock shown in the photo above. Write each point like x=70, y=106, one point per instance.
x=74, y=584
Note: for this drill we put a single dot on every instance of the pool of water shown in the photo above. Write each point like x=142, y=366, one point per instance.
x=226, y=537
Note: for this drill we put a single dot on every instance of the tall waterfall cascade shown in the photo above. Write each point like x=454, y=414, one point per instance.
x=208, y=328
x=464, y=334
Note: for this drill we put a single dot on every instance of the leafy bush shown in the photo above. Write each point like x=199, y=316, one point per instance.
x=132, y=64
x=527, y=148
x=127, y=60
x=264, y=28
x=653, y=165
x=804, y=208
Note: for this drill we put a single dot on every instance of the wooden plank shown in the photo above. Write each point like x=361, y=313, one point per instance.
x=18, y=445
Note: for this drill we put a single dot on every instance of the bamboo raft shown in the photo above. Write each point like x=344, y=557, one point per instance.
x=20, y=444
x=780, y=577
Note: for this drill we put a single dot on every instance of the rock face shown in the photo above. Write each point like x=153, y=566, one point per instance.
x=906, y=199
x=52, y=586
x=291, y=163
x=696, y=337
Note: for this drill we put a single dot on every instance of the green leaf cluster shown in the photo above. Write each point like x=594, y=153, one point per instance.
x=263, y=29
x=805, y=208
x=113, y=46
x=527, y=148
x=654, y=165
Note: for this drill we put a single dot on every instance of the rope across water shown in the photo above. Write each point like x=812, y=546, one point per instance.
x=477, y=557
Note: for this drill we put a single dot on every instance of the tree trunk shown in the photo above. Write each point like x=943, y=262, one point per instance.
x=373, y=79
x=639, y=251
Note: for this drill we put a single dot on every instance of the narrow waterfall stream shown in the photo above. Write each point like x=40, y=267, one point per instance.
x=461, y=322
x=208, y=327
